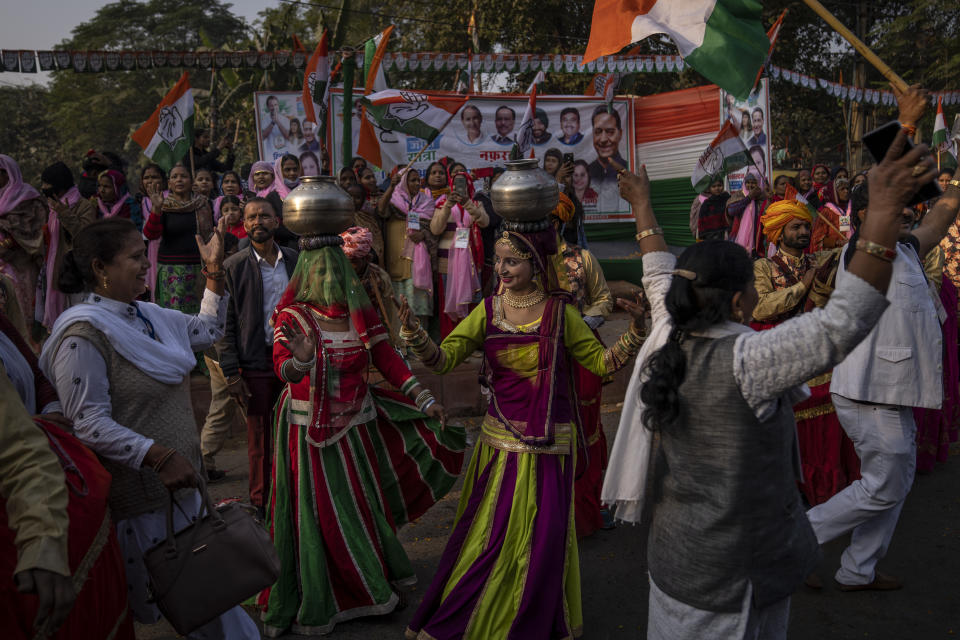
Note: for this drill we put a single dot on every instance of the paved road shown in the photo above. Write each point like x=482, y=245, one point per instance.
x=924, y=553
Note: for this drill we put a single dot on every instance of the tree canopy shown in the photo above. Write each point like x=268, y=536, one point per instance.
x=920, y=39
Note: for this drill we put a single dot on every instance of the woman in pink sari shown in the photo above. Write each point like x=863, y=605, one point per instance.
x=114, y=200
x=410, y=248
x=457, y=221
x=69, y=213
x=23, y=212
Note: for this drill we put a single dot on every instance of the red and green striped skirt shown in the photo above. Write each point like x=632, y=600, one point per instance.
x=335, y=511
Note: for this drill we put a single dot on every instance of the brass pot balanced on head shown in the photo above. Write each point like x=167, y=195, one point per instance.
x=524, y=192
x=318, y=207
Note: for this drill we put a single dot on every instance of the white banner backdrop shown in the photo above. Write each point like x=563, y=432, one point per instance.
x=481, y=135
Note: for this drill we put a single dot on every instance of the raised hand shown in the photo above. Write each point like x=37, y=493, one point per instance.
x=913, y=103
x=211, y=251
x=634, y=187
x=405, y=315
x=303, y=345
x=156, y=198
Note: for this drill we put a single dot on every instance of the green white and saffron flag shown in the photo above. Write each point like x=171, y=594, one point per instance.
x=724, y=40
x=941, y=135
x=412, y=113
x=166, y=137
x=725, y=154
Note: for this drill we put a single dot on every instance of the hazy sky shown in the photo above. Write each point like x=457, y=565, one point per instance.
x=40, y=24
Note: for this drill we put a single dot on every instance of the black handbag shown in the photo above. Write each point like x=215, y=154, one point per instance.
x=212, y=565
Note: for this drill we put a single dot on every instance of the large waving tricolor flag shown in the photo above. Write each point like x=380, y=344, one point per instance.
x=725, y=154
x=723, y=40
x=316, y=78
x=525, y=133
x=415, y=114
x=167, y=135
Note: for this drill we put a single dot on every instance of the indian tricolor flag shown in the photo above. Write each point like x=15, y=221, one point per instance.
x=415, y=114
x=725, y=154
x=723, y=40
x=166, y=137
x=941, y=135
x=315, y=83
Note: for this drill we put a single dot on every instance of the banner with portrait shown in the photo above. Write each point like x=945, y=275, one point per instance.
x=281, y=128
x=753, y=117
x=482, y=134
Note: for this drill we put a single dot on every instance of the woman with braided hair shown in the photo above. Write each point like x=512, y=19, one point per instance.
x=729, y=541
x=510, y=568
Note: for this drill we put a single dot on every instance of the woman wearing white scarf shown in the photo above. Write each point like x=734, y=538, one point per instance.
x=121, y=368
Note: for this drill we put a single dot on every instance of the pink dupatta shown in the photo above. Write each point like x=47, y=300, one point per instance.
x=55, y=302
x=261, y=165
x=16, y=190
x=463, y=281
x=747, y=229
x=278, y=184
x=153, y=248
x=119, y=190
x=422, y=203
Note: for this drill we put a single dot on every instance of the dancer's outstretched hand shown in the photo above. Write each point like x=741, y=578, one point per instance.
x=303, y=345
x=406, y=316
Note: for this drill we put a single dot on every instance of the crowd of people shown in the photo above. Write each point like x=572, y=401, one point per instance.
x=832, y=302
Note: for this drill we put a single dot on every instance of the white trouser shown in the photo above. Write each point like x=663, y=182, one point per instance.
x=670, y=619
x=885, y=438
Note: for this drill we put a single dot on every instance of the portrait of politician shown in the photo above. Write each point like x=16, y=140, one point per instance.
x=607, y=132
x=570, y=126
x=504, y=120
x=539, y=126
x=310, y=142
x=472, y=121
x=756, y=123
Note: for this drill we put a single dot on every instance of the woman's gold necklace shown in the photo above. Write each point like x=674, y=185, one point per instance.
x=525, y=301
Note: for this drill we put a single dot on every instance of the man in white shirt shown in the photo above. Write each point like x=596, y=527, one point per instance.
x=256, y=277
x=897, y=367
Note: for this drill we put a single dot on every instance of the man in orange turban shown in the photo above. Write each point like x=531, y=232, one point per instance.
x=779, y=214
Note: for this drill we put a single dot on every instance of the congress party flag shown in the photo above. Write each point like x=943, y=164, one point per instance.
x=725, y=154
x=167, y=135
x=525, y=133
x=415, y=114
x=723, y=40
x=316, y=77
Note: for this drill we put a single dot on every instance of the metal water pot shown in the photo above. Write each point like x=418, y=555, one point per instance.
x=524, y=192
x=317, y=207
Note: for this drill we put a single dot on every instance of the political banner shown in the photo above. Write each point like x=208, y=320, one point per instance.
x=752, y=118
x=282, y=127
x=483, y=132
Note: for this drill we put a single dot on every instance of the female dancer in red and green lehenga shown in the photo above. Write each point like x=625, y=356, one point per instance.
x=352, y=463
x=510, y=568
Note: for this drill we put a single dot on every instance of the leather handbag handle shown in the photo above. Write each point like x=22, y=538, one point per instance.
x=217, y=523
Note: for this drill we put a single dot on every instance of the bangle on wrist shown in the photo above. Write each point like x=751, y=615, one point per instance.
x=876, y=250
x=163, y=460
x=303, y=367
x=954, y=183
x=652, y=231
x=217, y=274
x=910, y=129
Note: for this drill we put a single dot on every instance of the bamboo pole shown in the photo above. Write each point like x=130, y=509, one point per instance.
x=858, y=44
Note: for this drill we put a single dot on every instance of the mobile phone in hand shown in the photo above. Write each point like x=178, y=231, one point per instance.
x=460, y=186
x=880, y=139
x=567, y=158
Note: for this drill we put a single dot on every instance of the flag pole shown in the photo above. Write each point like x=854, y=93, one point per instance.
x=858, y=44
x=236, y=133
x=193, y=170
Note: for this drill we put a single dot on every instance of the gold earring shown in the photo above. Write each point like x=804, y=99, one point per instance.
x=104, y=282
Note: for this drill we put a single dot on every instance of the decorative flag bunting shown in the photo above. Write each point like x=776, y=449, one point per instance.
x=725, y=154
x=723, y=40
x=167, y=135
x=525, y=133
x=315, y=84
